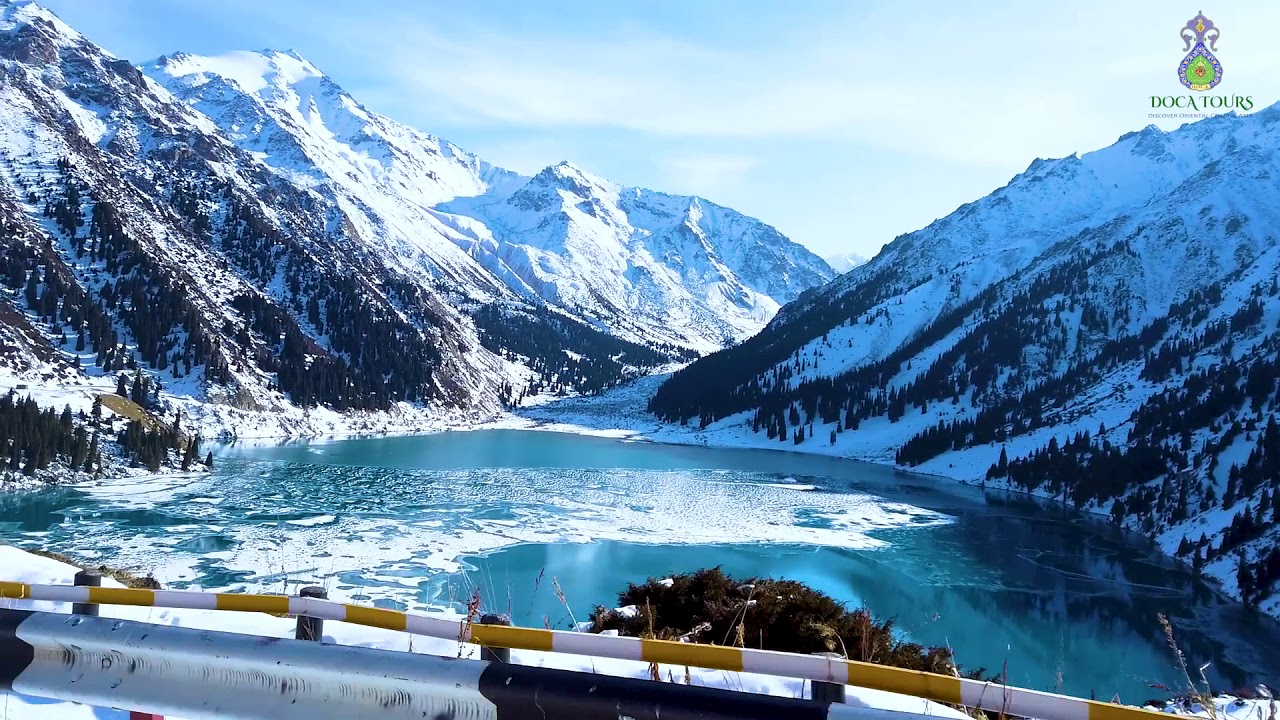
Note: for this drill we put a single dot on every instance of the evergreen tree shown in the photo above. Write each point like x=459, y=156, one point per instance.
x=1184, y=547
x=93, y=453
x=139, y=392
x=191, y=453
x=1244, y=579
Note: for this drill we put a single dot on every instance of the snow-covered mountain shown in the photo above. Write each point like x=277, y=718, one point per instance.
x=681, y=269
x=138, y=237
x=384, y=176
x=1103, y=329
x=647, y=266
x=246, y=233
x=844, y=262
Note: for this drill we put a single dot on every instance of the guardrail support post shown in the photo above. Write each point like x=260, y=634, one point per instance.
x=828, y=692
x=495, y=654
x=310, y=628
x=86, y=578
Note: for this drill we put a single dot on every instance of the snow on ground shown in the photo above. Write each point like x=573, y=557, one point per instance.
x=23, y=567
x=214, y=420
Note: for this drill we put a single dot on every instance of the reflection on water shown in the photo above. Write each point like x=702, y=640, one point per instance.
x=1050, y=598
x=1043, y=601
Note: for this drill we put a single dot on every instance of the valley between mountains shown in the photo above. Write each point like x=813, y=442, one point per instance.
x=253, y=253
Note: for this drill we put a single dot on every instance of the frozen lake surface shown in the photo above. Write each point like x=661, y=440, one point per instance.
x=1051, y=598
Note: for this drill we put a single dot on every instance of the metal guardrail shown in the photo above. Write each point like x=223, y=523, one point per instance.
x=206, y=675
x=987, y=696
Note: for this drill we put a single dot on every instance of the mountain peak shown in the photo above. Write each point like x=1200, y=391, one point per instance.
x=1146, y=132
x=567, y=176
x=287, y=52
x=844, y=262
x=20, y=10
x=16, y=13
x=566, y=169
x=253, y=72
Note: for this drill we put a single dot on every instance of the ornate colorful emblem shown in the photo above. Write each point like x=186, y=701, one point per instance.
x=1200, y=70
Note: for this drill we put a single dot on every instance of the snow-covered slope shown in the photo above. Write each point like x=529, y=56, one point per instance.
x=138, y=237
x=1108, y=324
x=681, y=269
x=647, y=266
x=385, y=176
x=921, y=276
x=844, y=262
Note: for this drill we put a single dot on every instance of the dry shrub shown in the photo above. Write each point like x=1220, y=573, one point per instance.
x=784, y=615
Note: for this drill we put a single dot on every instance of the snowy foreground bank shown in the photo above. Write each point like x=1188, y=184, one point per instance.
x=21, y=566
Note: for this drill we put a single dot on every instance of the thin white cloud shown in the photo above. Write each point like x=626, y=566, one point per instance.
x=991, y=88
x=706, y=174
x=972, y=94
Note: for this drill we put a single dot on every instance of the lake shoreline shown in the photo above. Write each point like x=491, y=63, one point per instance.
x=521, y=421
x=527, y=421
x=620, y=414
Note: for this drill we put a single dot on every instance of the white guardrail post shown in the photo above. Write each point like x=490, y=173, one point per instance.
x=201, y=674
x=311, y=628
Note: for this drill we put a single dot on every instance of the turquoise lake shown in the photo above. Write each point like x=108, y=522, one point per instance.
x=1057, y=600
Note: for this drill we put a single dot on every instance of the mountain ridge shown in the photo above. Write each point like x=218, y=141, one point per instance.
x=324, y=136
x=662, y=252
x=97, y=135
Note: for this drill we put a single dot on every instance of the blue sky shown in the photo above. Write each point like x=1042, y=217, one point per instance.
x=844, y=124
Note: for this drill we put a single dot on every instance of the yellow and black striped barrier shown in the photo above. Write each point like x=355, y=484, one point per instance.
x=987, y=696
